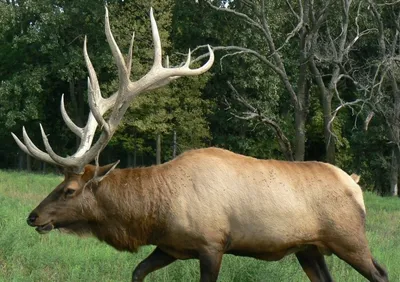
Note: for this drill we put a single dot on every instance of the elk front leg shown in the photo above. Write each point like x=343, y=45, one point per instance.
x=210, y=263
x=156, y=260
x=313, y=264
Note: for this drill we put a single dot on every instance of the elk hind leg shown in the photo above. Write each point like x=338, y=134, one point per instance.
x=156, y=260
x=210, y=264
x=313, y=264
x=358, y=255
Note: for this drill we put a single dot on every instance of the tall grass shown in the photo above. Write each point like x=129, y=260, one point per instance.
x=27, y=256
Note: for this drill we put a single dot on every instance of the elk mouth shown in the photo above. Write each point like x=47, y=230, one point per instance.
x=46, y=228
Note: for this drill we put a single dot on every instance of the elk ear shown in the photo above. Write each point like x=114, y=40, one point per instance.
x=355, y=177
x=102, y=171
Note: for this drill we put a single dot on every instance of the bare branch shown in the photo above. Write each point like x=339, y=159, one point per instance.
x=292, y=10
x=368, y=120
x=321, y=16
x=255, y=113
x=389, y=4
x=336, y=111
x=359, y=34
x=276, y=67
x=294, y=32
x=396, y=36
x=236, y=13
x=379, y=22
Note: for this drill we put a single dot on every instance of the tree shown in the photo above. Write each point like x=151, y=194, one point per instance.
x=382, y=92
x=22, y=76
x=261, y=24
x=334, y=36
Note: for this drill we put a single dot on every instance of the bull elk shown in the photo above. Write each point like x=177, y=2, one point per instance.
x=204, y=203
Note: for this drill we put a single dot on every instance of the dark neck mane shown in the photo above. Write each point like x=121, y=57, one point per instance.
x=134, y=205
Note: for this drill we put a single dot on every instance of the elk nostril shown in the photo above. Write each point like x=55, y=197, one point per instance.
x=32, y=218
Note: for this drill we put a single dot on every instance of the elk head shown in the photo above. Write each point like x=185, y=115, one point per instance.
x=67, y=205
x=73, y=204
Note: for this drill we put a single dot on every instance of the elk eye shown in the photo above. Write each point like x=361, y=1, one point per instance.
x=69, y=192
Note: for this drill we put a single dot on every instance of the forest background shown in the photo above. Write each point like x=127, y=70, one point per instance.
x=295, y=80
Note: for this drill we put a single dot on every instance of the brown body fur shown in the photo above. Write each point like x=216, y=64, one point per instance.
x=212, y=201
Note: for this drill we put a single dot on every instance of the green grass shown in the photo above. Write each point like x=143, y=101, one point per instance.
x=27, y=256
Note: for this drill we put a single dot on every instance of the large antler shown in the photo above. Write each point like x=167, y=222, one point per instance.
x=118, y=103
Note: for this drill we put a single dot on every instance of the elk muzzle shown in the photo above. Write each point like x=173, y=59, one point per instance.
x=32, y=220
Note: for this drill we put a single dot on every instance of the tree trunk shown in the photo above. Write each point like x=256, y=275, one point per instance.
x=44, y=167
x=301, y=109
x=129, y=159
x=326, y=100
x=28, y=163
x=301, y=104
x=394, y=174
x=300, y=140
x=158, y=149
x=134, y=153
x=174, y=146
x=330, y=142
x=395, y=136
x=21, y=160
x=77, y=108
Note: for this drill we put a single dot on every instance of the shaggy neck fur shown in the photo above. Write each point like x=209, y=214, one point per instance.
x=133, y=205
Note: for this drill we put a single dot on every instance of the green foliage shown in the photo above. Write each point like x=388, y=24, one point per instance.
x=21, y=97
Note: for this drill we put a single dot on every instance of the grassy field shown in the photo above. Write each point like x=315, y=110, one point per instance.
x=27, y=256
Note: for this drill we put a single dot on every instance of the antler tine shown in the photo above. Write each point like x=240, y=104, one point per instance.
x=20, y=144
x=87, y=136
x=186, y=71
x=33, y=150
x=67, y=162
x=91, y=154
x=95, y=107
x=71, y=125
x=93, y=81
x=187, y=64
x=167, y=62
x=129, y=59
x=94, y=96
x=43, y=157
x=160, y=76
x=119, y=59
x=98, y=106
x=156, y=41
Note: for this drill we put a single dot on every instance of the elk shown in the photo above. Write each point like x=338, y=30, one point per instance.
x=204, y=203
